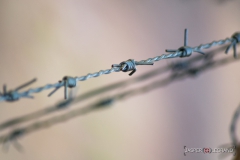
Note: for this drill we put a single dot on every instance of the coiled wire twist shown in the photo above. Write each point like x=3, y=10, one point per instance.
x=130, y=65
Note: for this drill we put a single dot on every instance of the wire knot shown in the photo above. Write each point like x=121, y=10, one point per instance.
x=70, y=81
x=185, y=51
x=130, y=65
x=235, y=41
x=14, y=95
x=67, y=82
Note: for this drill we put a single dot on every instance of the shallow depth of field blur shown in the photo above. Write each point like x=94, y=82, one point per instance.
x=49, y=39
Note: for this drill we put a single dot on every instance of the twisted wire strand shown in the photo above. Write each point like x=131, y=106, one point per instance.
x=212, y=44
x=101, y=90
x=97, y=74
x=108, y=101
x=164, y=56
x=177, y=53
x=40, y=89
x=173, y=77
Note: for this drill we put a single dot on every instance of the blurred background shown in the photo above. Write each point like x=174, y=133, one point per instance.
x=49, y=39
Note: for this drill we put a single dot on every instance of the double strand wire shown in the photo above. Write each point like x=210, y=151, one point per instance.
x=125, y=66
x=110, y=100
x=66, y=103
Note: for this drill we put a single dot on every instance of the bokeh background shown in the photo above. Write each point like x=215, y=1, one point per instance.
x=49, y=39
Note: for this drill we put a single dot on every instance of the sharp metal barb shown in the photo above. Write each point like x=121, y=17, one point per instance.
x=26, y=84
x=171, y=50
x=235, y=51
x=234, y=41
x=185, y=37
x=4, y=89
x=51, y=93
x=228, y=48
x=66, y=90
x=116, y=65
x=185, y=50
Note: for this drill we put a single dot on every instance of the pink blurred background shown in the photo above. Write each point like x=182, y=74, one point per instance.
x=49, y=39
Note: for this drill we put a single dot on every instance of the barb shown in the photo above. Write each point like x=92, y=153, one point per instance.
x=108, y=101
x=235, y=40
x=185, y=50
x=68, y=82
x=130, y=65
x=173, y=68
x=13, y=95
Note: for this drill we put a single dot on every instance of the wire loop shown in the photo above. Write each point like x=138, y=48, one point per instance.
x=186, y=51
x=130, y=65
x=67, y=82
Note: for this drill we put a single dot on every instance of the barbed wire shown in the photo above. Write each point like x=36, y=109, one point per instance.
x=175, y=67
x=125, y=66
x=17, y=133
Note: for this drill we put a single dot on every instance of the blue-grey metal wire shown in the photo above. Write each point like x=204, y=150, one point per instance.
x=176, y=67
x=175, y=54
x=110, y=100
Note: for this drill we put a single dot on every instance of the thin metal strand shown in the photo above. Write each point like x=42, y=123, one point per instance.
x=177, y=67
x=117, y=68
x=26, y=84
x=97, y=74
x=40, y=89
x=212, y=44
x=106, y=102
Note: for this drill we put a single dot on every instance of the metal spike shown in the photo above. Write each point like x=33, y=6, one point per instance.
x=4, y=89
x=26, y=84
x=66, y=89
x=51, y=93
x=185, y=37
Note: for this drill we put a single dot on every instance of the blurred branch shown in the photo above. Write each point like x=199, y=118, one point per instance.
x=233, y=126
